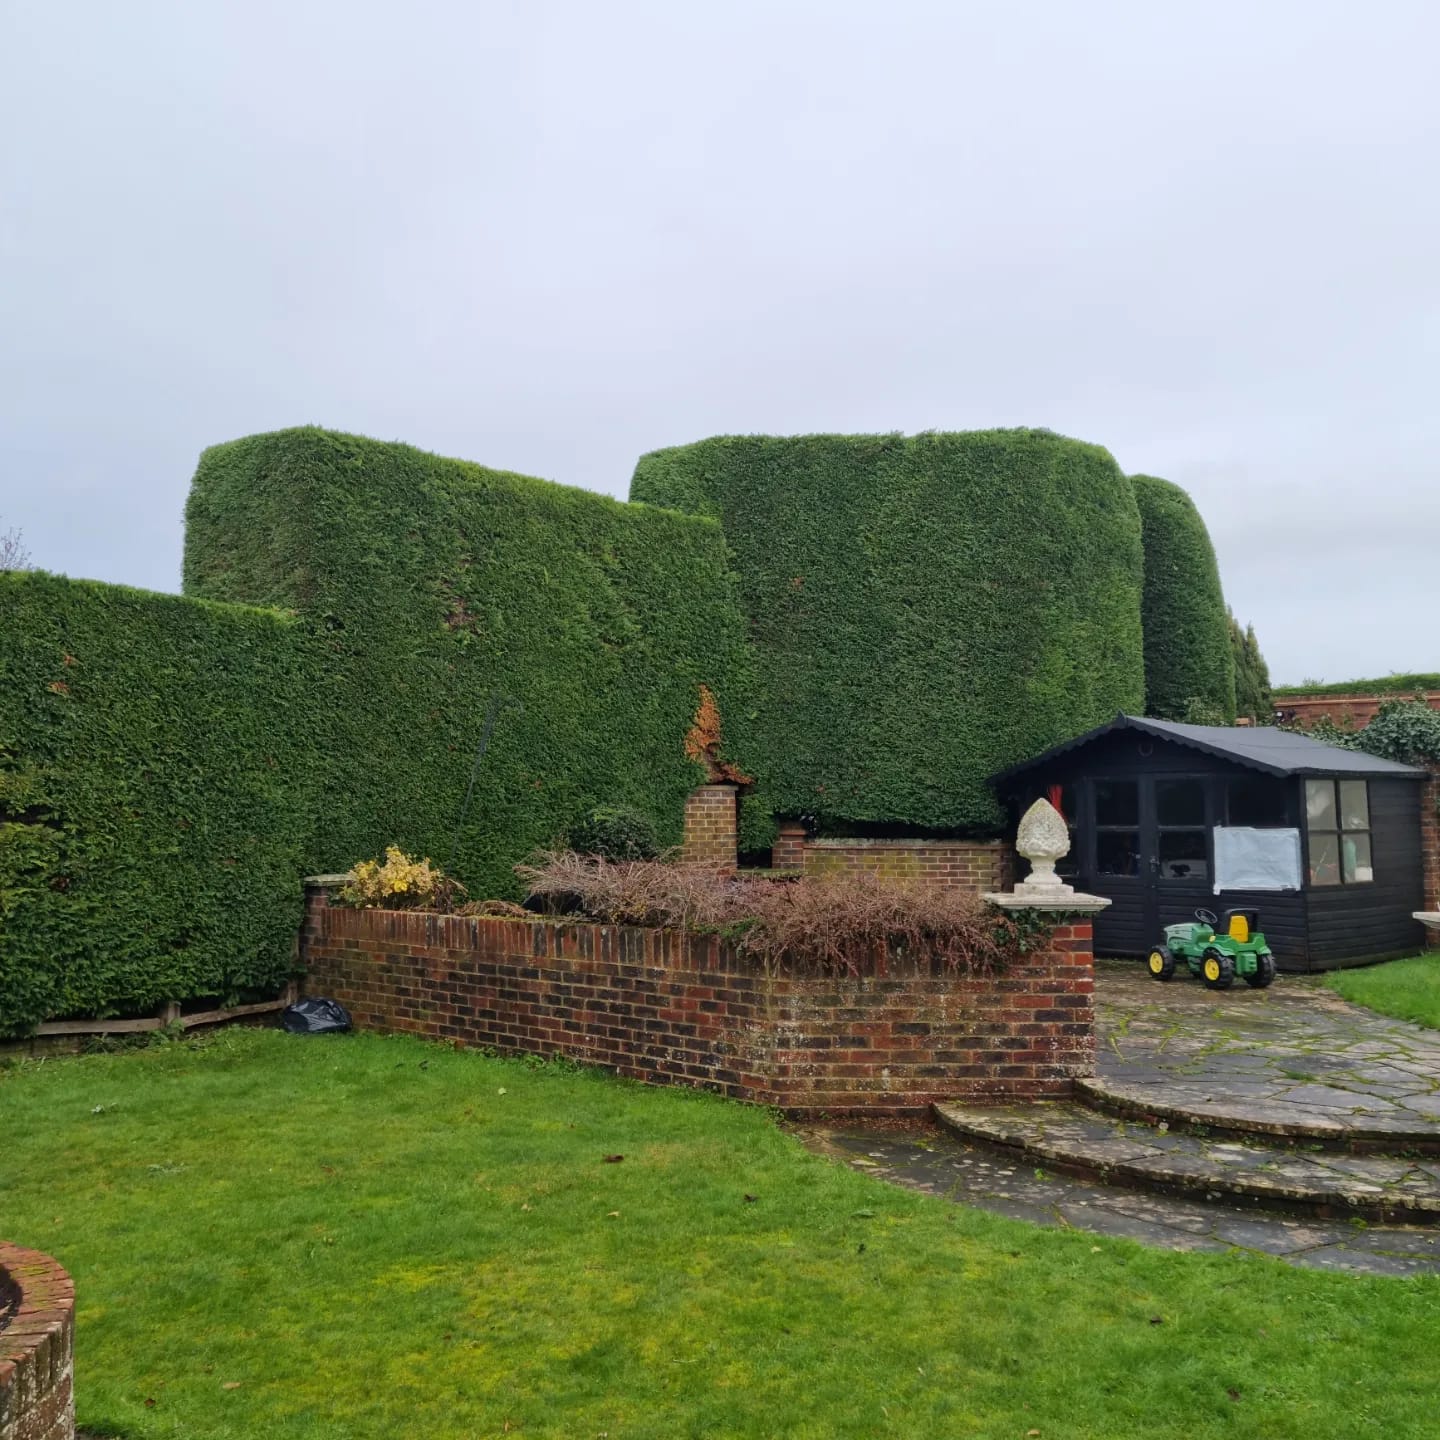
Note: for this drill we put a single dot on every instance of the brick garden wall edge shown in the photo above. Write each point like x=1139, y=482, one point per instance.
x=672, y=1008
x=37, y=1335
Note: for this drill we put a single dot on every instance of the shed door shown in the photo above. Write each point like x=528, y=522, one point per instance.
x=1151, y=857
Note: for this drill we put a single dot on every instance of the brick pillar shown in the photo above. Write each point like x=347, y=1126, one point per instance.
x=711, y=830
x=1430, y=848
x=788, y=851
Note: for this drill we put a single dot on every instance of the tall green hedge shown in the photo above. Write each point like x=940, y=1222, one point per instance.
x=925, y=610
x=1411, y=684
x=1189, y=662
x=155, y=798
x=438, y=589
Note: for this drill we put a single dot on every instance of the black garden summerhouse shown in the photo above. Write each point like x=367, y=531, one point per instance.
x=1149, y=803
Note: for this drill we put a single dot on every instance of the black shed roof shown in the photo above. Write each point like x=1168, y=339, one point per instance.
x=1259, y=747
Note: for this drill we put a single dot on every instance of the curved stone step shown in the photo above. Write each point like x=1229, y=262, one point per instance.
x=1193, y=1107
x=1070, y=1137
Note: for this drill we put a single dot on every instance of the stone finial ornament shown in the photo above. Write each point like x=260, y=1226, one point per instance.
x=1042, y=839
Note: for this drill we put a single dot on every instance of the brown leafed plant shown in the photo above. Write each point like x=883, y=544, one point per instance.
x=845, y=924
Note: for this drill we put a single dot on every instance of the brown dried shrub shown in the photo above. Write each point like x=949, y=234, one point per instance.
x=494, y=910
x=850, y=924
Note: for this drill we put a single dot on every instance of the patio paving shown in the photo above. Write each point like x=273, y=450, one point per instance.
x=1075, y=1139
x=1294, y=1061
x=1269, y=1121
x=1009, y=1185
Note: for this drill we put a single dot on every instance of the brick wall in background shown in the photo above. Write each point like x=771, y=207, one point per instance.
x=788, y=851
x=37, y=1337
x=673, y=1008
x=975, y=866
x=1356, y=710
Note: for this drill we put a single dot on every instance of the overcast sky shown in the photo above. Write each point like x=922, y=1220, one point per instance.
x=549, y=235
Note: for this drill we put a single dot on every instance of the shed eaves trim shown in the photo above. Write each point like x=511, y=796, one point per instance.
x=1263, y=748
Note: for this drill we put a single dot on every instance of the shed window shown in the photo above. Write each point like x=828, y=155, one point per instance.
x=1184, y=852
x=1117, y=827
x=1258, y=801
x=1337, y=821
x=1180, y=802
x=1117, y=802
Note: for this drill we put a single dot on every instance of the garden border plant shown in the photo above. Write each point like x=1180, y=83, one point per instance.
x=850, y=925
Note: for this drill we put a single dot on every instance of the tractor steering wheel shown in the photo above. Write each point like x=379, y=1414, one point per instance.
x=1206, y=917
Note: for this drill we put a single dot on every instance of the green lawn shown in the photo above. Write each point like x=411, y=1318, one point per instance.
x=1409, y=989
x=281, y=1237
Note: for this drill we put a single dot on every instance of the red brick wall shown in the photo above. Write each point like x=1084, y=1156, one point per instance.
x=1357, y=710
x=711, y=827
x=37, y=1337
x=976, y=866
x=672, y=1008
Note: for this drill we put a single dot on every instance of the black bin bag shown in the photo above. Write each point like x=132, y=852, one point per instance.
x=315, y=1016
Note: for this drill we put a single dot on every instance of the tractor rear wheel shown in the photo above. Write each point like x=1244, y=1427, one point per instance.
x=1218, y=969
x=1161, y=964
x=1264, y=972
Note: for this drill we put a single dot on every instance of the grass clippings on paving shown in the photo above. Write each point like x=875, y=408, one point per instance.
x=361, y=1237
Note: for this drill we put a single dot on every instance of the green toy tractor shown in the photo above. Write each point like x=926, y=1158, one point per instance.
x=1217, y=957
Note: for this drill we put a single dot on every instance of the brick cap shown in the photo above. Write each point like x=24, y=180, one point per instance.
x=326, y=880
x=1075, y=903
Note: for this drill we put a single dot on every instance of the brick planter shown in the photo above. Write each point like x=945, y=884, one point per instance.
x=667, y=1007
x=37, y=1332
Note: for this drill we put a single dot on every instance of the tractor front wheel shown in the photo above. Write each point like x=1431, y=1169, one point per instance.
x=1162, y=964
x=1218, y=970
x=1263, y=974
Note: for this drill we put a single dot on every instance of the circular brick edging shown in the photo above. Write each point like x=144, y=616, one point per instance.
x=37, y=1334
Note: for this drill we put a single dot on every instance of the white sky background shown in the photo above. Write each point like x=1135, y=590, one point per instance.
x=549, y=235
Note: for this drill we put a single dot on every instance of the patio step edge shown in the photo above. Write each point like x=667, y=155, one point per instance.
x=1306, y=1186
x=1356, y=1134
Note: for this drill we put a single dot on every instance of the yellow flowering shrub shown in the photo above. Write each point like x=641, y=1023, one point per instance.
x=399, y=883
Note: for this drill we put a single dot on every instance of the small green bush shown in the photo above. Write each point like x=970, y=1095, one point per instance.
x=399, y=882
x=616, y=832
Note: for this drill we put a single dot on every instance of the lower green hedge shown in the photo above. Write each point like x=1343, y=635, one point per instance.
x=441, y=590
x=156, y=798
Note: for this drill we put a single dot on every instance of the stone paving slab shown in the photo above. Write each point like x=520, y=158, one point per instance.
x=1071, y=1136
x=1006, y=1185
x=1295, y=1061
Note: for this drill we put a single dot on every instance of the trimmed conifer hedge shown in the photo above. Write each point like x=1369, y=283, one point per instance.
x=1189, y=660
x=155, y=807
x=444, y=593
x=1411, y=684
x=926, y=610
